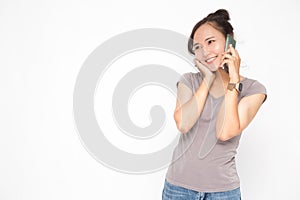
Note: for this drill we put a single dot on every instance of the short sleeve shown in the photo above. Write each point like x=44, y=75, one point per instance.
x=254, y=87
x=191, y=80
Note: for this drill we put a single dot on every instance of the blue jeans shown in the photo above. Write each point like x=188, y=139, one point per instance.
x=173, y=192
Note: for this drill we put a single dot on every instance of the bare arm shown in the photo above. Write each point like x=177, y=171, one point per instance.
x=189, y=106
x=234, y=117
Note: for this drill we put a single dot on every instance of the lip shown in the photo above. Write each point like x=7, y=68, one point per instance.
x=211, y=59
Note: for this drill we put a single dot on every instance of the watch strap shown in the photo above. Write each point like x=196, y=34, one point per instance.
x=237, y=86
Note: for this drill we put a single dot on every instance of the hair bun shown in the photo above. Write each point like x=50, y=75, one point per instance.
x=220, y=14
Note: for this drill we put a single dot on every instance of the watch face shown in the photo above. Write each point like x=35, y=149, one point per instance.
x=237, y=86
x=240, y=87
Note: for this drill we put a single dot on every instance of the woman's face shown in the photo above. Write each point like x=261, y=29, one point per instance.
x=209, y=44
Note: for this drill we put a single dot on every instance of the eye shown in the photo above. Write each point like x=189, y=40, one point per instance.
x=196, y=47
x=210, y=41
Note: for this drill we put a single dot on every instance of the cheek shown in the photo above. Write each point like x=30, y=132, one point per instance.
x=198, y=55
x=219, y=48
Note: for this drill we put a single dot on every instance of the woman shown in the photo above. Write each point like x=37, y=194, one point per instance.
x=213, y=107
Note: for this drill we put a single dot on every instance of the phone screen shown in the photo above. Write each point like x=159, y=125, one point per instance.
x=229, y=40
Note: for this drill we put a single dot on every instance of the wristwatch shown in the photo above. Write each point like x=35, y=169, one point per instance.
x=237, y=86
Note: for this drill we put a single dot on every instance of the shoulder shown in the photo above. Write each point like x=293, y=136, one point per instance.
x=190, y=79
x=252, y=86
x=191, y=75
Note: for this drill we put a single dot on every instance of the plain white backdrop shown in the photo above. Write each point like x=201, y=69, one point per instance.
x=42, y=47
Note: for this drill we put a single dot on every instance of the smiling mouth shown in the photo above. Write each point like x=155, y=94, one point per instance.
x=209, y=60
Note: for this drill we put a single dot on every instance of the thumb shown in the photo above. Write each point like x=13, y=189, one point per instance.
x=198, y=64
x=201, y=67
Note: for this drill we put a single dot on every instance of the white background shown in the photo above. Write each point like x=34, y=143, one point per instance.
x=42, y=47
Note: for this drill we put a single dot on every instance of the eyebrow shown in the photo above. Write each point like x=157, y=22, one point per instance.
x=209, y=38
x=204, y=40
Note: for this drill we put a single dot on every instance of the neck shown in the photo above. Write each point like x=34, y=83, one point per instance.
x=222, y=76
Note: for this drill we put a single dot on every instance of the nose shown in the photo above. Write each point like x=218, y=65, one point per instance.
x=204, y=51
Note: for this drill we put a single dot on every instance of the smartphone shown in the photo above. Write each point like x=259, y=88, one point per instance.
x=229, y=40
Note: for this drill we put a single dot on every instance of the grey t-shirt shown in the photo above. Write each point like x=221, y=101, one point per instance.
x=200, y=161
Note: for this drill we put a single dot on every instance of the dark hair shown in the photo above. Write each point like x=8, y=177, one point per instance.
x=219, y=20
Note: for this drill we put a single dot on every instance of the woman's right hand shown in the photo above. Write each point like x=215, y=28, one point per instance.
x=208, y=76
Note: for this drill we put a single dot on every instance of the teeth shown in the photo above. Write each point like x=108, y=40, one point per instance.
x=210, y=59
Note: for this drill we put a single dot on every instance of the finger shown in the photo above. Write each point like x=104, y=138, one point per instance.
x=231, y=56
x=227, y=56
x=228, y=50
x=235, y=56
x=228, y=62
x=225, y=61
x=198, y=63
x=233, y=51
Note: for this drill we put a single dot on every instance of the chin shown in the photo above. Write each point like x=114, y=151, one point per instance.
x=213, y=68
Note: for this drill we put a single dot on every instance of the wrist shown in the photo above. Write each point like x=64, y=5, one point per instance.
x=234, y=79
x=235, y=86
x=208, y=82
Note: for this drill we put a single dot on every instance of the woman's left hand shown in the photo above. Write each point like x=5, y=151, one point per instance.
x=233, y=60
